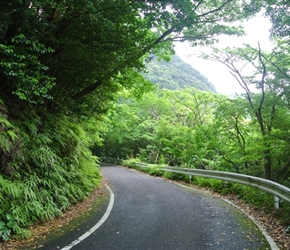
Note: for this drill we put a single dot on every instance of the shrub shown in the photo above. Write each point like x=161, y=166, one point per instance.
x=52, y=170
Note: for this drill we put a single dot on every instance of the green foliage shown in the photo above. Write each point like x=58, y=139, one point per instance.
x=176, y=74
x=7, y=134
x=175, y=176
x=131, y=163
x=24, y=71
x=8, y=226
x=278, y=13
x=9, y=142
x=62, y=66
x=170, y=127
x=155, y=171
x=54, y=170
x=263, y=111
x=51, y=51
x=198, y=129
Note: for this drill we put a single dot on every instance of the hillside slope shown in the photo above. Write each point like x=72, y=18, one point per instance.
x=176, y=74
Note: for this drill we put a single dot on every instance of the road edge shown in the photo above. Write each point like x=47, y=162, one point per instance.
x=96, y=226
x=269, y=239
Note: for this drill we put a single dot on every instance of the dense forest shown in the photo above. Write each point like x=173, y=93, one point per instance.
x=176, y=74
x=198, y=129
x=65, y=69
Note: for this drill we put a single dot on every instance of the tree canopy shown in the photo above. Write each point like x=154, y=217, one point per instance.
x=62, y=52
x=62, y=65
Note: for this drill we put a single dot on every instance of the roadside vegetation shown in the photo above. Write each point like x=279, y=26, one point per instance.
x=69, y=73
x=246, y=134
x=255, y=203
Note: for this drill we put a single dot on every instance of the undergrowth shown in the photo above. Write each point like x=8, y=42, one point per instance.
x=45, y=166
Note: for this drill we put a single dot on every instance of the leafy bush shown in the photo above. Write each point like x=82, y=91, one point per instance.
x=131, y=163
x=45, y=166
x=175, y=176
x=150, y=169
x=154, y=170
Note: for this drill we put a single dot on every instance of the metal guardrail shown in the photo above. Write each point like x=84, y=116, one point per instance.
x=268, y=186
x=110, y=160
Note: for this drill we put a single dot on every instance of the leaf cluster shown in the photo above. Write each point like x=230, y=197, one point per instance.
x=62, y=66
x=46, y=166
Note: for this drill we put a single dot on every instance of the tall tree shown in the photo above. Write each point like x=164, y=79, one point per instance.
x=266, y=75
x=78, y=47
x=171, y=127
x=62, y=64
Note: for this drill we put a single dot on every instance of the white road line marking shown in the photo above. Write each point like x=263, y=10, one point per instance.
x=95, y=227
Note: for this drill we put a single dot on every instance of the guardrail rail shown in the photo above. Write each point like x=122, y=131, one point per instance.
x=110, y=160
x=278, y=190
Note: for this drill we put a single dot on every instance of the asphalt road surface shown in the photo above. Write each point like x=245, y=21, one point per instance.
x=152, y=213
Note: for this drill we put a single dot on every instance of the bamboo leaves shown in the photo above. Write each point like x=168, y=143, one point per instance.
x=55, y=171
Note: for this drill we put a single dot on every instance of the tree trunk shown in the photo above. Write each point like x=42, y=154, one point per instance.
x=87, y=90
x=267, y=166
x=283, y=173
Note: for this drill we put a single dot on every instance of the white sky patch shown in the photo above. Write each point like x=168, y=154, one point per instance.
x=257, y=30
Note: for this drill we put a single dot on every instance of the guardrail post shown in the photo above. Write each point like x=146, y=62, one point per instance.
x=276, y=202
x=190, y=178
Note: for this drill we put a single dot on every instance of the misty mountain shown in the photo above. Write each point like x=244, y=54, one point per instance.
x=176, y=74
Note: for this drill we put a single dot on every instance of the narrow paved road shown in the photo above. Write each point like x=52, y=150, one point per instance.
x=151, y=213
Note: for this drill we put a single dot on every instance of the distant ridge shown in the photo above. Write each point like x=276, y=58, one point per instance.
x=176, y=74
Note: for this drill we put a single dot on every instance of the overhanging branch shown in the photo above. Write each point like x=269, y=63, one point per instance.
x=87, y=90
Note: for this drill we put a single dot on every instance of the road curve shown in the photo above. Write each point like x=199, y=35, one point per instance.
x=152, y=213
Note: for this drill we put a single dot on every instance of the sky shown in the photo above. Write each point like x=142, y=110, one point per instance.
x=257, y=30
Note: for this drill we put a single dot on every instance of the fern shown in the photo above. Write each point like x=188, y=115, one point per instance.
x=1, y=198
x=20, y=216
x=32, y=181
x=28, y=193
x=4, y=143
x=7, y=134
x=35, y=209
x=22, y=233
x=63, y=202
x=51, y=211
x=4, y=231
x=50, y=168
x=11, y=190
x=5, y=123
